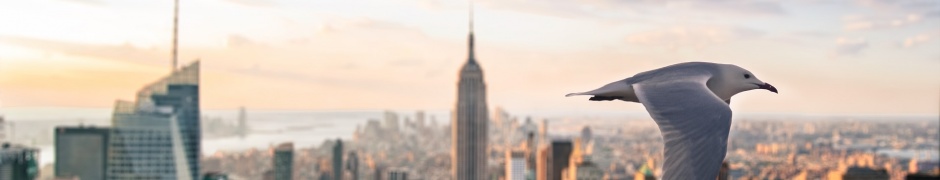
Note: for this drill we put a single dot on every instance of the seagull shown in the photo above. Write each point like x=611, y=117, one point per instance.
x=689, y=102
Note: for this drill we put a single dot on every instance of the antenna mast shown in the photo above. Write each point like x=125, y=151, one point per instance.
x=176, y=14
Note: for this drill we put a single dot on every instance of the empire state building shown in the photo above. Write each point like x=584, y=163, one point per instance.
x=469, y=124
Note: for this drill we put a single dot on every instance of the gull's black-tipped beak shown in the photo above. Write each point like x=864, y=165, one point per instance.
x=768, y=87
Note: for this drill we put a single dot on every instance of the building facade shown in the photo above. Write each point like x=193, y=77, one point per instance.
x=352, y=165
x=515, y=165
x=554, y=159
x=18, y=162
x=81, y=152
x=158, y=136
x=469, y=123
x=397, y=174
x=338, y=159
x=284, y=161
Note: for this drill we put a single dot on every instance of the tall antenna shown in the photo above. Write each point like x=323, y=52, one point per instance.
x=470, y=37
x=471, y=16
x=176, y=21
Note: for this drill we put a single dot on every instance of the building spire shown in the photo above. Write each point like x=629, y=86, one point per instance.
x=472, y=57
x=176, y=14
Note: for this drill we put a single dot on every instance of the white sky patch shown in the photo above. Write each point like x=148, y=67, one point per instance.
x=694, y=37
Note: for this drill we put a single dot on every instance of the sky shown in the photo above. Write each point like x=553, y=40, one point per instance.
x=825, y=56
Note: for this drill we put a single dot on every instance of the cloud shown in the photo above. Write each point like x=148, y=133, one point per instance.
x=888, y=14
x=696, y=37
x=859, y=23
x=238, y=41
x=845, y=46
x=919, y=39
x=734, y=7
x=123, y=52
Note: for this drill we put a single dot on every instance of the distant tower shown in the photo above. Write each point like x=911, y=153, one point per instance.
x=419, y=119
x=242, y=124
x=543, y=131
x=338, y=159
x=391, y=121
x=469, y=124
x=3, y=132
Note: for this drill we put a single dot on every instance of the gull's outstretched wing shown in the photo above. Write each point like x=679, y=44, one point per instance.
x=694, y=123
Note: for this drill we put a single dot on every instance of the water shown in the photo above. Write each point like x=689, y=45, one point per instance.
x=269, y=127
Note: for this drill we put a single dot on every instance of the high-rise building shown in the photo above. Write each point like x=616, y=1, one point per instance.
x=391, y=121
x=352, y=165
x=542, y=165
x=242, y=122
x=515, y=165
x=379, y=172
x=561, y=156
x=553, y=159
x=157, y=137
x=469, y=123
x=214, y=176
x=18, y=162
x=3, y=131
x=582, y=168
x=420, y=118
x=859, y=173
x=284, y=161
x=499, y=117
x=81, y=152
x=397, y=174
x=338, y=159
x=543, y=131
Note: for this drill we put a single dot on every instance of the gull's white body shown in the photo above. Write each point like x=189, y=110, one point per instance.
x=689, y=102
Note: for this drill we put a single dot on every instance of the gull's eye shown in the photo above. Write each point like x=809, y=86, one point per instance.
x=747, y=76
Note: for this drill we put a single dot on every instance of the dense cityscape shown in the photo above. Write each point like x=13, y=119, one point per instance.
x=789, y=147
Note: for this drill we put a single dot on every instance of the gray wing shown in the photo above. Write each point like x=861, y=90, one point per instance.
x=694, y=123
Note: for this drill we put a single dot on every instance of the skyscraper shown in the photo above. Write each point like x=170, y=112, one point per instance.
x=397, y=174
x=553, y=159
x=242, y=122
x=352, y=165
x=157, y=137
x=18, y=162
x=469, y=124
x=284, y=161
x=3, y=132
x=81, y=152
x=338, y=159
x=515, y=165
x=542, y=166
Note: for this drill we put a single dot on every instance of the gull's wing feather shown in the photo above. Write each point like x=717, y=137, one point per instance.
x=611, y=89
x=693, y=121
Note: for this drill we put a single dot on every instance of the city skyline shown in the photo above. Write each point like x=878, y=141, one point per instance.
x=827, y=57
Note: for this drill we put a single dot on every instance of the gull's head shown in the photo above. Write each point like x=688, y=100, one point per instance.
x=734, y=79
